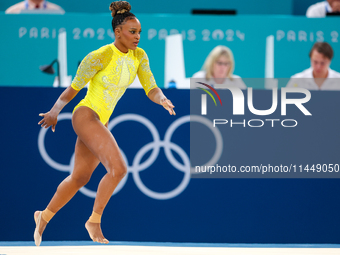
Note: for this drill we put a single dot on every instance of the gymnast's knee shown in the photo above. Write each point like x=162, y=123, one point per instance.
x=119, y=171
x=81, y=180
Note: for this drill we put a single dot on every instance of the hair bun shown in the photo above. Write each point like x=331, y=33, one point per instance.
x=119, y=7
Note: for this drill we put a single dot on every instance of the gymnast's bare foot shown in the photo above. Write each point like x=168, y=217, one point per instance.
x=40, y=225
x=95, y=232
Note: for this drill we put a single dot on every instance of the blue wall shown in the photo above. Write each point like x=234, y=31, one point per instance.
x=31, y=41
x=300, y=6
x=296, y=7
x=174, y=6
x=207, y=210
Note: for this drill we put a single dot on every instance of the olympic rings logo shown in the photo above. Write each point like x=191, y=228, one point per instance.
x=155, y=146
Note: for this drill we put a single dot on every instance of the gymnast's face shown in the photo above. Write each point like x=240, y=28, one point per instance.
x=129, y=34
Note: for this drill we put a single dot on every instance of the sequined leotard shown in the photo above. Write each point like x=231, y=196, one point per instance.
x=110, y=72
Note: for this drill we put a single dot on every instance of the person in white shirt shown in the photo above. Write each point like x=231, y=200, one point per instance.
x=218, y=68
x=319, y=76
x=40, y=6
x=319, y=10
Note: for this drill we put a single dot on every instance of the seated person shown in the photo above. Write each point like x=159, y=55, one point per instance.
x=319, y=76
x=32, y=5
x=319, y=10
x=218, y=68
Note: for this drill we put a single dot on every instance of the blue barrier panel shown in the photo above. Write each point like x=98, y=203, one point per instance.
x=300, y=6
x=175, y=6
x=31, y=41
x=204, y=210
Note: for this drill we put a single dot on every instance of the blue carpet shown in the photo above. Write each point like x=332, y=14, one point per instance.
x=240, y=245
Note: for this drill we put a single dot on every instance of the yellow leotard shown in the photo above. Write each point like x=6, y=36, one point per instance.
x=109, y=73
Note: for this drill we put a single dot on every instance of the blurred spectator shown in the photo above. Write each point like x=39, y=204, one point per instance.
x=218, y=68
x=319, y=76
x=319, y=10
x=34, y=5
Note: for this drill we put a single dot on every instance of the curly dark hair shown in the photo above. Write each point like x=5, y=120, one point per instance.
x=120, y=11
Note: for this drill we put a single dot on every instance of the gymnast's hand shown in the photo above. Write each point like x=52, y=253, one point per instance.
x=48, y=120
x=166, y=103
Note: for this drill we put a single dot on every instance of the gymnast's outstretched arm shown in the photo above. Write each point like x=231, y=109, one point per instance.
x=156, y=95
x=50, y=118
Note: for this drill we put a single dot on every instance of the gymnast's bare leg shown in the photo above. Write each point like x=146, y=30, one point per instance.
x=95, y=144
